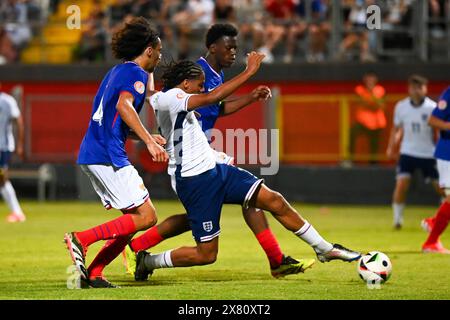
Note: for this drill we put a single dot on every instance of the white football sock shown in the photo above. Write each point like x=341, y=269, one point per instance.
x=308, y=234
x=10, y=197
x=160, y=260
x=398, y=212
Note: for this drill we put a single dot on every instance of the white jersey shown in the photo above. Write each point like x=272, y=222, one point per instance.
x=417, y=134
x=9, y=110
x=187, y=146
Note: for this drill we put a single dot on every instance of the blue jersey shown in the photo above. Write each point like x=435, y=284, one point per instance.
x=104, y=142
x=442, y=111
x=209, y=114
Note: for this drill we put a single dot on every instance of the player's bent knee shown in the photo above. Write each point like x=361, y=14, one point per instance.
x=277, y=201
x=207, y=258
x=150, y=220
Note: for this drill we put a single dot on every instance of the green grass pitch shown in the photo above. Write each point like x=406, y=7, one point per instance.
x=33, y=259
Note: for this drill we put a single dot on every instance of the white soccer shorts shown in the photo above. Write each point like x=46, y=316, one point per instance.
x=121, y=189
x=444, y=174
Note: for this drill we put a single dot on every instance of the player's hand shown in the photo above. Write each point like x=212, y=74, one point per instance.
x=159, y=139
x=254, y=61
x=391, y=154
x=157, y=152
x=261, y=93
x=20, y=152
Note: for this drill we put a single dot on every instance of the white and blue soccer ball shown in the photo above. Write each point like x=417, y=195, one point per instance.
x=374, y=267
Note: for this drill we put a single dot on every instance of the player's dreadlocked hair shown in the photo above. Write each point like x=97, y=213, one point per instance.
x=176, y=73
x=133, y=38
x=219, y=30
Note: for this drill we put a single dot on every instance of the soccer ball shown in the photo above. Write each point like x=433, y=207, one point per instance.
x=374, y=267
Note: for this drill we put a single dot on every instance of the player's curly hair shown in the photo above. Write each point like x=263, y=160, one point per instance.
x=219, y=30
x=133, y=38
x=176, y=72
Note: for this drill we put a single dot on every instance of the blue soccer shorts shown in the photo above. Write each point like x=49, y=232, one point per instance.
x=204, y=195
x=408, y=164
x=5, y=156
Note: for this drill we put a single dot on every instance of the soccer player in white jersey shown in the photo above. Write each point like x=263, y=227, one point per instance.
x=416, y=138
x=203, y=185
x=221, y=42
x=9, y=117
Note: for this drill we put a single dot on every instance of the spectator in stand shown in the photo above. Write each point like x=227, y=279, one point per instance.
x=280, y=12
x=357, y=32
x=197, y=16
x=93, y=38
x=149, y=9
x=224, y=12
x=318, y=27
x=437, y=9
x=249, y=16
x=118, y=11
x=169, y=8
x=399, y=16
x=14, y=16
x=8, y=52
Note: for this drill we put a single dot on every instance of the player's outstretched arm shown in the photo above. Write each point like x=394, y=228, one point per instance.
x=437, y=123
x=131, y=118
x=224, y=90
x=258, y=94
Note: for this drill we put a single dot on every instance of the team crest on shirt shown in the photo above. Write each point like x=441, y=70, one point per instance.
x=424, y=117
x=207, y=226
x=442, y=105
x=139, y=87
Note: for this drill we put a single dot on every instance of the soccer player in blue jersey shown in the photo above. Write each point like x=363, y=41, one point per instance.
x=203, y=185
x=221, y=42
x=440, y=119
x=102, y=155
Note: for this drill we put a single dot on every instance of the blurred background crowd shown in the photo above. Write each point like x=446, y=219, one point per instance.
x=313, y=31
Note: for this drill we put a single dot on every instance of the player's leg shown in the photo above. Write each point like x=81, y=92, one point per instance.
x=170, y=227
x=433, y=244
x=106, y=255
x=405, y=168
x=274, y=202
x=135, y=220
x=280, y=264
x=431, y=174
x=257, y=222
x=7, y=191
x=202, y=196
x=243, y=187
x=119, y=188
x=402, y=184
x=441, y=220
x=202, y=254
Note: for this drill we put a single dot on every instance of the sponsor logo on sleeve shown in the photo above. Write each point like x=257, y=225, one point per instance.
x=442, y=105
x=180, y=95
x=139, y=87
